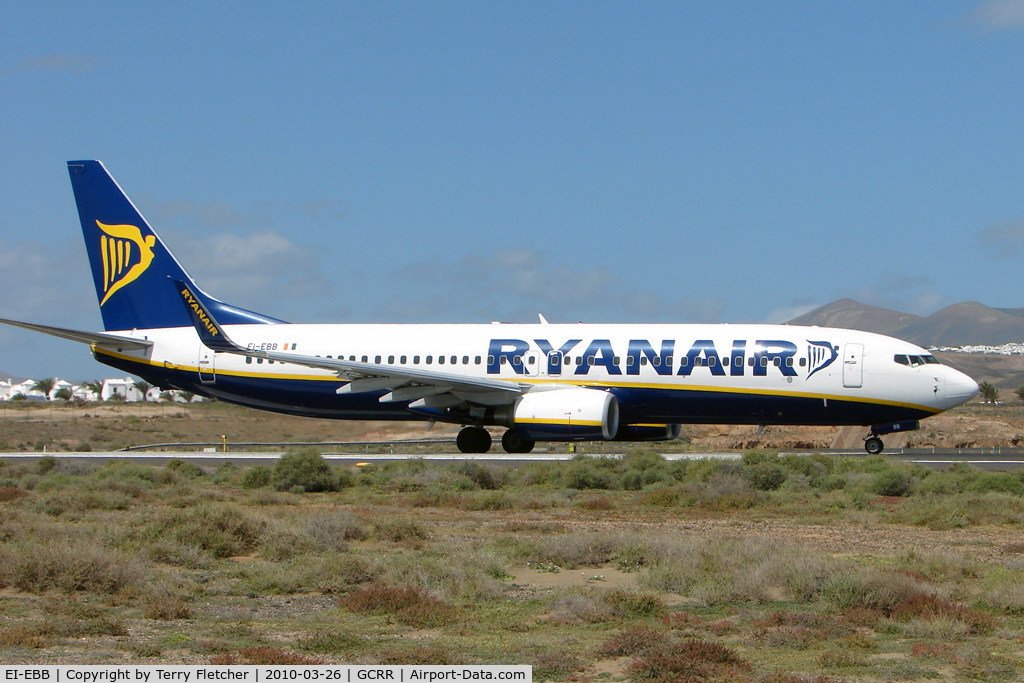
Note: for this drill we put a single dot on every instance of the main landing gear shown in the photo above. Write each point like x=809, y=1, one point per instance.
x=478, y=440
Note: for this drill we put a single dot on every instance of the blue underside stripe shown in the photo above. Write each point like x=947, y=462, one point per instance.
x=316, y=397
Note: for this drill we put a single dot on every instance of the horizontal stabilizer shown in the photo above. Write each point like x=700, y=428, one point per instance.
x=97, y=338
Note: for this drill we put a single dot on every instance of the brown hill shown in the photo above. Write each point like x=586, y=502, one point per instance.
x=965, y=323
x=968, y=323
x=854, y=315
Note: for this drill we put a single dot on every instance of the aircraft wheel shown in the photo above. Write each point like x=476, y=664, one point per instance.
x=874, y=445
x=513, y=443
x=473, y=440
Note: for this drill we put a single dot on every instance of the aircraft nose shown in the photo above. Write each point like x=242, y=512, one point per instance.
x=959, y=388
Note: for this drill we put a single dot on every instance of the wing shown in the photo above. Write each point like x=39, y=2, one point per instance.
x=111, y=341
x=424, y=388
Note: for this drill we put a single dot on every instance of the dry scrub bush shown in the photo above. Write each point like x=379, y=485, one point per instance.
x=263, y=656
x=715, y=571
x=691, y=661
x=872, y=589
x=574, y=550
x=407, y=604
x=76, y=564
x=219, y=529
x=470, y=576
x=633, y=642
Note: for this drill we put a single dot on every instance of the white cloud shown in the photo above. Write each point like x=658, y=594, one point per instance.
x=247, y=269
x=999, y=15
x=192, y=214
x=66, y=62
x=45, y=283
x=787, y=313
x=515, y=284
x=1004, y=239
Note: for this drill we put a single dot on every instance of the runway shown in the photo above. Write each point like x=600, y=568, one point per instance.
x=981, y=458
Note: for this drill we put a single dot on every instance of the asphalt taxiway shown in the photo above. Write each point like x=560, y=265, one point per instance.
x=938, y=458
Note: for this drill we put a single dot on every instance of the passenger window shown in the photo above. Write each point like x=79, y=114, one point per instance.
x=391, y=360
x=352, y=358
x=440, y=360
x=465, y=360
x=789, y=362
x=643, y=360
x=656, y=361
x=376, y=359
x=430, y=360
x=415, y=360
x=476, y=360
x=365, y=359
x=259, y=361
x=454, y=359
x=517, y=360
x=764, y=361
x=616, y=360
x=490, y=360
x=402, y=360
x=668, y=361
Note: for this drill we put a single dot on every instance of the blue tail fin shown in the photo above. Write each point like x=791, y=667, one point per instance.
x=133, y=271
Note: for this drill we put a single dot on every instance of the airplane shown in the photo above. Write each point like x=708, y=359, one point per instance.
x=541, y=382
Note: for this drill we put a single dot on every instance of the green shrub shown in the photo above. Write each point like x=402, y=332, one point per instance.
x=892, y=483
x=185, y=468
x=306, y=469
x=256, y=477
x=766, y=476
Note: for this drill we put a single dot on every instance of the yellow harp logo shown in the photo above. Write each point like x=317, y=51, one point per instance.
x=126, y=256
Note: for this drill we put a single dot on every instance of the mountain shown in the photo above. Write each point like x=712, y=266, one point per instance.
x=968, y=323
x=853, y=315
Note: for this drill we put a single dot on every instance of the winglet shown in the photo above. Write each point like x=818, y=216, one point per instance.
x=210, y=331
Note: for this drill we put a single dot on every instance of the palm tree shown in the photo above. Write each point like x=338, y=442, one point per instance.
x=989, y=392
x=143, y=387
x=45, y=385
x=95, y=387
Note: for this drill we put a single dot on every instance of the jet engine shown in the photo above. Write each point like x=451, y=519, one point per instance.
x=571, y=414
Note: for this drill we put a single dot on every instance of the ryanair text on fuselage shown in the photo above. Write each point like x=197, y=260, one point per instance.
x=758, y=356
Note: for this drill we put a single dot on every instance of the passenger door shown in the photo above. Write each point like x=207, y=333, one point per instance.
x=853, y=365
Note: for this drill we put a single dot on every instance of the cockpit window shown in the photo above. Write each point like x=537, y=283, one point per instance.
x=915, y=361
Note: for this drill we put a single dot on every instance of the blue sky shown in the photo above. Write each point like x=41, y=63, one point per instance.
x=478, y=161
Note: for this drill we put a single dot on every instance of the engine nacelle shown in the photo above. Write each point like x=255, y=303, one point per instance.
x=566, y=415
x=648, y=432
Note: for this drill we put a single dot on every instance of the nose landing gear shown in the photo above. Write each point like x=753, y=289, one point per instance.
x=873, y=444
